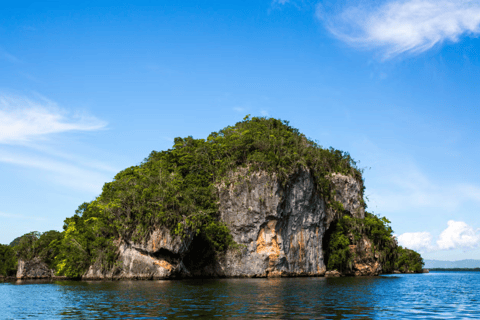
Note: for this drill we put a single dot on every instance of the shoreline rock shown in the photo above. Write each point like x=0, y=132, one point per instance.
x=34, y=269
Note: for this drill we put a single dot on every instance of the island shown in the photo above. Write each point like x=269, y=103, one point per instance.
x=256, y=199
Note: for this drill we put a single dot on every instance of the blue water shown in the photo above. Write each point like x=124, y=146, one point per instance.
x=437, y=295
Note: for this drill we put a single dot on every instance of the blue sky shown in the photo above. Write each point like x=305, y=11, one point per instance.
x=88, y=89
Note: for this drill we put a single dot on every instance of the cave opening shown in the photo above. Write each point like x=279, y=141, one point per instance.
x=327, y=238
x=200, y=255
x=167, y=255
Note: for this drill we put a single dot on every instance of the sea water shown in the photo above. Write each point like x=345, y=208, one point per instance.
x=436, y=295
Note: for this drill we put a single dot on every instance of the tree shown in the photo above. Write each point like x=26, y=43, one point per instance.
x=27, y=248
x=8, y=261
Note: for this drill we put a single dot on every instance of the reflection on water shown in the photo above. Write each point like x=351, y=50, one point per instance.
x=435, y=295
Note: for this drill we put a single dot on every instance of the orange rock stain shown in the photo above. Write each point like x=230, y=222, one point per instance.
x=164, y=264
x=267, y=241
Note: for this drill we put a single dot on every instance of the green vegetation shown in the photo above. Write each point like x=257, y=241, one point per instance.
x=38, y=245
x=408, y=260
x=86, y=239
x=178, y=189
x=8, y=261
x=349, y=231
x=43, y=246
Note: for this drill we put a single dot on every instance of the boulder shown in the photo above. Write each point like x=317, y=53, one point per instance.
x=34, y=269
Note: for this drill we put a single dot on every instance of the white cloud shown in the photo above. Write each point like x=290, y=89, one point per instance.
x=281, y=1
x=264, y=113
x=22, y=120
x=458, y=235
x=419, y=241
x=25, y=126
x=401, y=26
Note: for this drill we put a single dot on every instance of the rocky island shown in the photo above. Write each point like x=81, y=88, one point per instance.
x=257, y=199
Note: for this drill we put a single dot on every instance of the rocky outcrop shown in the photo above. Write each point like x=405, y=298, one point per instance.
x=279, y=230
x=333, y=274
x=34, y=269
x=365, y=262
x=158, y=258
x=281, y=227
x=349, y=193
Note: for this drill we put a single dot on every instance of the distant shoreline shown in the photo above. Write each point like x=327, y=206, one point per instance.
x=454, y=269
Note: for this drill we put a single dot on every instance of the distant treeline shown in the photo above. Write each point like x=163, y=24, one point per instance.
x=454, y=269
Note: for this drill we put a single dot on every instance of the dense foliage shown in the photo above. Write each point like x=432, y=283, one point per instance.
x=348, y=231
x=38, y=245
x=178, y=189
x=43, y=246
x=408, y=260
x=8, y=261
x=87, y=239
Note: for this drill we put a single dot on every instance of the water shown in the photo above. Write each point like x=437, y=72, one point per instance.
x=437, y=295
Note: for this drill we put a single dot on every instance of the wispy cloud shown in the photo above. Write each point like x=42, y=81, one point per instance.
x=458, y=235
x=26, y=128
x=74, y=159
x=402, y=26
x=61, y=172
x=22, y=119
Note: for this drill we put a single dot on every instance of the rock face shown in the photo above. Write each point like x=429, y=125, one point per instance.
x=365, y=263
x=349, y=193
x=159, y=258
x=34, y=269
x=280, y=228
x=279, y=231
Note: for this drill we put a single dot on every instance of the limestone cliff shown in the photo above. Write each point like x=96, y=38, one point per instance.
x=279, y=230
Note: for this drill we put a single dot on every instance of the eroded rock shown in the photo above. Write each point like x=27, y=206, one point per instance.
x=34, y=269
x=333, y=274
x=365, y=263
x=160, y=257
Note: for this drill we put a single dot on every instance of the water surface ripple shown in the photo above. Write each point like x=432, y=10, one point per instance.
x=437, y=295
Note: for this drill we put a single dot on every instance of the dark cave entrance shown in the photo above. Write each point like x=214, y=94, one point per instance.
x=201, y=257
